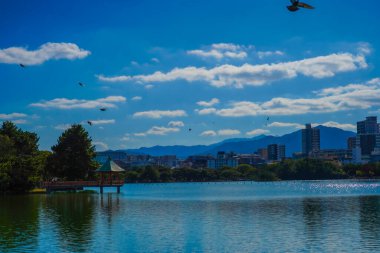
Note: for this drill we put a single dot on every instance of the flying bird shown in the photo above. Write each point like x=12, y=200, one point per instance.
x=103, y=109
x=190, y=129
x=267, y=121
x=296, y=4
x=22, y=65
x=89, y=122
x=81, y=84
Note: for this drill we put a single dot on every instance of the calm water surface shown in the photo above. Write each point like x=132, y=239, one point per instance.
x=308, y=216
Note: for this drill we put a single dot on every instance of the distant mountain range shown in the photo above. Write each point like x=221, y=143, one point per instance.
x=331, y=138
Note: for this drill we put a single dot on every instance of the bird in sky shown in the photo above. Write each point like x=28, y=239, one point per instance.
x=296, y=4
x=267, y=121
x=81, y=84
x=89, y=122
x=103, y=109
x=190, y=129
x=22, y=65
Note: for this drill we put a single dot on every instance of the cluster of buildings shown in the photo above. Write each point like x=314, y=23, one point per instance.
x=366, y=145
x=362, y=148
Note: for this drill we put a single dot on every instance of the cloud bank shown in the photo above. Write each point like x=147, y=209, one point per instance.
x=254, y=75
x=66, y=104
x=158, y=114
x=343, y=98
x=46, y=52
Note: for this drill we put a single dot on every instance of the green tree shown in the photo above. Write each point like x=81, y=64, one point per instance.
x=132, y=176
x=150, y=174
x=73, y=155
x=17, y=151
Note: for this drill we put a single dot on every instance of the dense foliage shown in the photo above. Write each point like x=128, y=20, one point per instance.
x=21, y=163
x=73, y=156
x=302, y=169
x=23, y=166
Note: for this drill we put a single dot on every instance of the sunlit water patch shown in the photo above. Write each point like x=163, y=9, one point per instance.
x=308, y=216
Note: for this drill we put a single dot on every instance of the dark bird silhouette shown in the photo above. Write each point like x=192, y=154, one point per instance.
x=296, y=4
x=103, y=109
x=81, y=84
x=190, y=129
x=267, y=121
x=22, y=65
x=89, y=122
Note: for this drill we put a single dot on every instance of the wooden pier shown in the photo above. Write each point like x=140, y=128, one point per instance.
x=109, y=177
x=79, y=185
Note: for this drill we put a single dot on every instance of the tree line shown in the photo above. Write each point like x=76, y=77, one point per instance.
x=301, y=169
x=23, y=166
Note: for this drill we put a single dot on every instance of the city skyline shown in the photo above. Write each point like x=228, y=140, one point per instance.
x=234, y=72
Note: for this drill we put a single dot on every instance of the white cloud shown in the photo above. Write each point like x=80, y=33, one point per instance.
x=100, y=146
x=126, y=137
x=176, y=124
x=206, y=111
x=257, y=132
x=149, y=87
x=139, y=134
x=157, y=114
x=11, y=116
x=65, y=103
x=47, y=51
x=102, y=121
x=343, y=98
x=263, y=54
x=255, y=75
x=348, y=127
x=286, y=124
x=136, y=98
x=155, y=60
x=20, y=121
x=209, y=133
x=364, y=48
x=225, y=132
x=222, y=132
x=212, y=102
x=158, y=130
x=135, y=63
x=221, y=50
x=62, y=127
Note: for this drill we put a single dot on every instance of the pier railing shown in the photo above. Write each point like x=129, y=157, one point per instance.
x=63, y=184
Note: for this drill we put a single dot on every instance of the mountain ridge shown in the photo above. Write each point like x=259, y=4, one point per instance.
x=331, y=138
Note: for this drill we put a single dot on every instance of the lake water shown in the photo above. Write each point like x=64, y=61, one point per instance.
x=306, y=216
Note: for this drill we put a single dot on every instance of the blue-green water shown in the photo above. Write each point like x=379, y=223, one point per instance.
x=313, y=216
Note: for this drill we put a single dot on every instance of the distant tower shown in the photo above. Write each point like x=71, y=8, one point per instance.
x=276, y=152
x=311, y=140
x=368, y=136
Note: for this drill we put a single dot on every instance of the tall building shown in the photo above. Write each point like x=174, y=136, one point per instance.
x=368, y=126
x=272, y=152
x=368, y=136
x=311, y=141
x=281, y=152
x=351, y=143
x=263, y=153
x=223, y=159
x=276, y=152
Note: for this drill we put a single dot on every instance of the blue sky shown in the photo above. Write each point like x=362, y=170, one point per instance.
x=161, y=67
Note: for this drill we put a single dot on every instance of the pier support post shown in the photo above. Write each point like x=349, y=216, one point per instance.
x=118, y=189
x=101, y=189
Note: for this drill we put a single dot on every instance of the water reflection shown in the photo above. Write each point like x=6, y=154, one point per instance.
x=151, y=218
x=109, y=206
x=19, y=223
x=313, y=222
x=73, y=219
x=370, y=221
